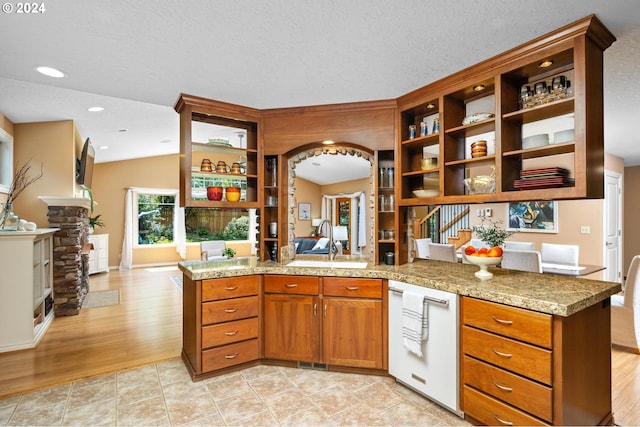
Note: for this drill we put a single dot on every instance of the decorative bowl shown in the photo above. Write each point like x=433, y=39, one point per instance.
x=426, y=193
x=232, y=194
x=214, y=193
x=564, y=136
x=477, y=117
x=480, y=184
x=534, y=141
x=484, y=262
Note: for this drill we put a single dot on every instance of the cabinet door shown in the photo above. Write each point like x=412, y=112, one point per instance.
x=291, y=328
x=352, y=331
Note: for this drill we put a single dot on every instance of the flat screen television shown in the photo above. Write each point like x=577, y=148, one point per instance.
x=84, y=166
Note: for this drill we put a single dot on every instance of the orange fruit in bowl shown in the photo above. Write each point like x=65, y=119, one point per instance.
x=469, y=250
x=483, y=251
x=495, y=252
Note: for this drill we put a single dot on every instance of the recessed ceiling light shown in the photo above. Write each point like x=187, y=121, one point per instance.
x=104, y=147
x=95, y=109
x=430, y=106
x=328, y=142
x=478, y=88
x=315, y=163
x=165, y=141
x=545, y=64
x=123, y=130
x=50, y=72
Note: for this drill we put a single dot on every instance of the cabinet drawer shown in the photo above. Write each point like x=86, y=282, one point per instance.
x=525, y=394
x=356, y=288
x=525, y=325
x=229, y=309
x=226, y=333
x=229, y=355
x=230, y=287
x=307, y=285
x=492, y=412
x=532, y=362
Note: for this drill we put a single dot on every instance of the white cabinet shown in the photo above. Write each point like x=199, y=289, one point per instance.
x=26, y=287
x=99, y=255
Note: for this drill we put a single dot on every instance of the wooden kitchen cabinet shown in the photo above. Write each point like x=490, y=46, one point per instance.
x=493, y=87
x=521, y=367
x=350, y=312
x=353, y=325
x=291, y=318
x=221, y=323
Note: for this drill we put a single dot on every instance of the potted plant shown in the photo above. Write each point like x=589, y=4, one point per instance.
x=229, y=252
x=492, y=232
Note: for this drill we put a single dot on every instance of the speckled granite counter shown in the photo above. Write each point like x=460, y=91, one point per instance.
x=547, y=293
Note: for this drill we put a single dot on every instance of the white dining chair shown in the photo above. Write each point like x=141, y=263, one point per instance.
x=520, y=246
x=560, y=254
x=443, y=252
x=514, y=259
x=422, y=247
x=625, y=310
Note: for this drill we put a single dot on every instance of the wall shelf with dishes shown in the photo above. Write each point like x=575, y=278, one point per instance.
x=230, y=161
x=536, y=106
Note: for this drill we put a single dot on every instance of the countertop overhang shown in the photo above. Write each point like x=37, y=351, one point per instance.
x=546, y=293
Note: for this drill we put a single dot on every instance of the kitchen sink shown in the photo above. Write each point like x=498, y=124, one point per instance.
x=327, y=264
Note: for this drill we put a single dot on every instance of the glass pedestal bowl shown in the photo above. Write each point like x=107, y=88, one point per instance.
x=484, y=263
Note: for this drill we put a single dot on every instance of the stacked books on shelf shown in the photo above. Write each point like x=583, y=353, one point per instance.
x=533, y=179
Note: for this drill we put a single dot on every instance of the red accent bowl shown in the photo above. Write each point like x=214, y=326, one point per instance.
x=214, y=193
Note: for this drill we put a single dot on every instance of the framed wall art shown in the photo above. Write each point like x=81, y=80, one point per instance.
x=304, y=210
x=540, y=216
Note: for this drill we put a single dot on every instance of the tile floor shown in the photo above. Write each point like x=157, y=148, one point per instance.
x=163, y=394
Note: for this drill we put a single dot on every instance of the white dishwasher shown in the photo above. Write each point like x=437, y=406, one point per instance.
x=435, y=374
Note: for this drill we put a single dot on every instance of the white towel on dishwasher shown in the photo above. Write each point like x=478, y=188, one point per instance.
x=415, y=321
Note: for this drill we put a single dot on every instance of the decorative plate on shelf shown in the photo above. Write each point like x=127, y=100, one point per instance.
x=224, y=142
x=426, y=193
x=477, y=117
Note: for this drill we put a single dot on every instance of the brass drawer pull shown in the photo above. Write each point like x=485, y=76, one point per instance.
x=505, y=355
x=230, y=288
x=231, y=333
x=507, y=423
x=231, y=356
x=503, y=322
x=291, y=285
x=352, y=288
x=315, y=310
x=501, y=387
x=230, y=310
x=325, y=311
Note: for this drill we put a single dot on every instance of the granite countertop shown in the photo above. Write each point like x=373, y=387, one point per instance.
x=547, y=293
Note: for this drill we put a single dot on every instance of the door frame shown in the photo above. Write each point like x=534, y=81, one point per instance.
x=605, y=217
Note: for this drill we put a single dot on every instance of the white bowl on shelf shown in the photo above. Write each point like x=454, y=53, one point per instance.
x=535, y=141
x=568, y=135
x=426, y=193
x=484, y=263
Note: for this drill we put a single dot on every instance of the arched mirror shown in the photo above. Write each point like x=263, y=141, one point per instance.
x=336, y=183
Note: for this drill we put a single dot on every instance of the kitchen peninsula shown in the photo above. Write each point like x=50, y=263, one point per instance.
x=560, y=326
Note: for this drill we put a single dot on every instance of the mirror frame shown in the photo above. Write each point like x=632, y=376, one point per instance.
x=316, y=149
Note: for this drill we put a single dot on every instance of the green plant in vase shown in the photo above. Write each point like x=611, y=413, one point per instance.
x=492, y=232
x=229, y=252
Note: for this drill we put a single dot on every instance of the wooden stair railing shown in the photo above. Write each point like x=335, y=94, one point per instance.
x=464, y=234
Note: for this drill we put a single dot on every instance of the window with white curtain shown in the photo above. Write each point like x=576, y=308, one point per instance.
x=155, y=224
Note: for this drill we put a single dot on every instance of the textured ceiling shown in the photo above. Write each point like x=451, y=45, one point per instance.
x=135, y=58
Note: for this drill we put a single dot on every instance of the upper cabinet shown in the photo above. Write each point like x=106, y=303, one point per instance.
x=524, y=125
x=219, y=154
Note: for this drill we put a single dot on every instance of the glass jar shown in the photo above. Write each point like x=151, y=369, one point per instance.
x=8, y=220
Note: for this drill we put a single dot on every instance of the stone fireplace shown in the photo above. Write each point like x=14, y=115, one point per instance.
x=70, y=252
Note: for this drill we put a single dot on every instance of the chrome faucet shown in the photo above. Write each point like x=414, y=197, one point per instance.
x=333, y=250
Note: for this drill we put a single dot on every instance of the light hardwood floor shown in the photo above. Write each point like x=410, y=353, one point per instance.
x=145, y=328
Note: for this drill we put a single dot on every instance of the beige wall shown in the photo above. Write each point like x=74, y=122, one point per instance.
x=110, y=181
x=7, y=126
x=309, y=192
x=52, y=145
x=631, y=229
